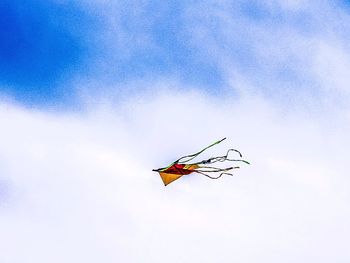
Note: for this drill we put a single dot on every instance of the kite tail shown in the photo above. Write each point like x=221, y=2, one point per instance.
x=192, y=156
x=204, y=170
x=223, y=158
x=221, y=174
x=187, y=158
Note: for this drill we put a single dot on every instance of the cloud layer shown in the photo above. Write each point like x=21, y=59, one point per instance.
x=79, y=187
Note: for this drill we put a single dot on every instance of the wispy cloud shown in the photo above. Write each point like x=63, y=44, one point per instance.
x=282, y=49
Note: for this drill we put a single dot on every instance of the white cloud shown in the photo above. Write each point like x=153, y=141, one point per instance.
x=80, y=186
x=332, y=65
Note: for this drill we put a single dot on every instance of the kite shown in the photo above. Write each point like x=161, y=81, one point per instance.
x=181, y=166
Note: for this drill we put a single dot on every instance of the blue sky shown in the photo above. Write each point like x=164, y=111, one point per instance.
x=46, y=44
x=49, y=45
x=39, y=48
x=95, y=94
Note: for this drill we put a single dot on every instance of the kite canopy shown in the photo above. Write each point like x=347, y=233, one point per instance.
x=180, y=167
x=176, y=171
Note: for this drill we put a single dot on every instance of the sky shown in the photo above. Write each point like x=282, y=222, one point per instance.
x=95, y=94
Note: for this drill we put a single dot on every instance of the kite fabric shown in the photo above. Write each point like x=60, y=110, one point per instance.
x=180, y=167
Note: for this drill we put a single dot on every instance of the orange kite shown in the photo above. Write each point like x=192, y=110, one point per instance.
x=180, y=167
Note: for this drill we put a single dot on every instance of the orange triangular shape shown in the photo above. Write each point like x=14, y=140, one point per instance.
x=168, y=178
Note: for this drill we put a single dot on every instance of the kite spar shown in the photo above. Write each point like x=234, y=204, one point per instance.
x=181, y=166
